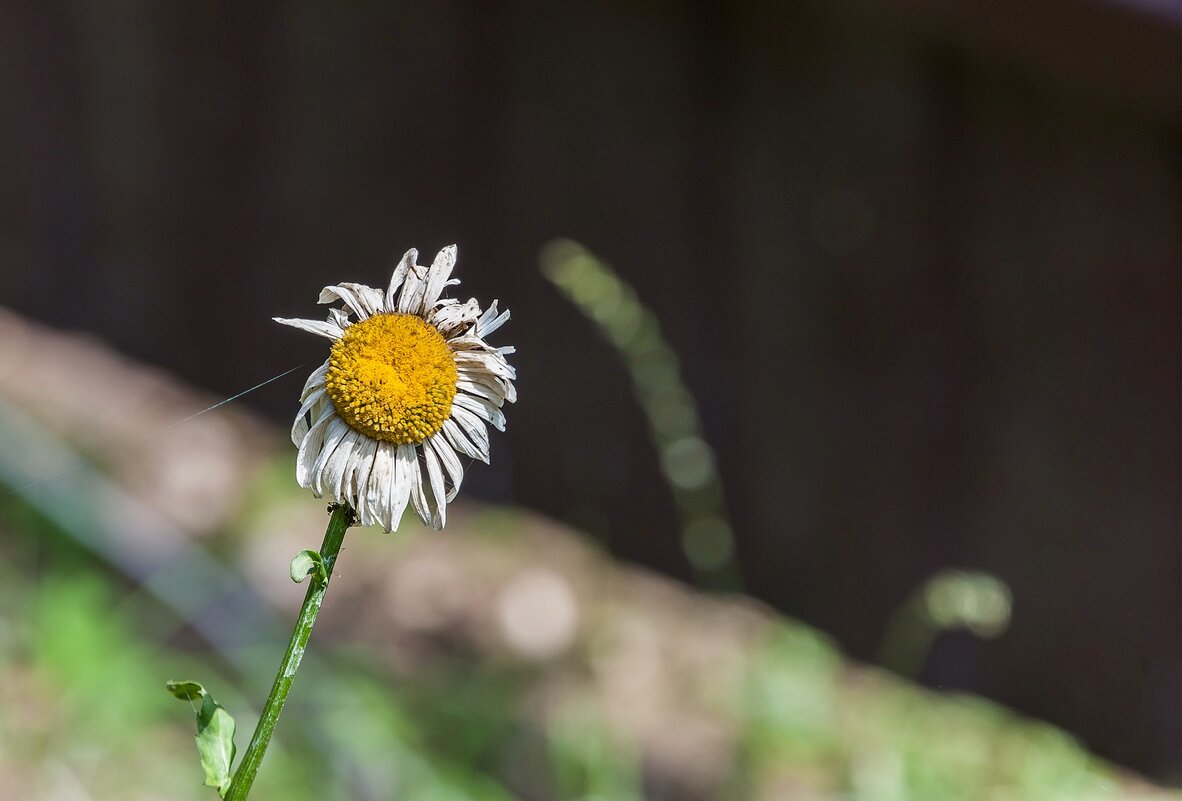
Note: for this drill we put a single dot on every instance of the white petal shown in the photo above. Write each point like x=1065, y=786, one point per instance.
x=455, y=437
x=400, y=272
x=374, y=299
x=410, y=299
x=472, y=371
x=454, y=317
x=377, y=489
x=451, y=463
x=315, y=380
x=359, y=488
x=492, y=362
x=300, y=428
x=438, y=493
x=469, y=342
x=473, y=429
x=490, y=321
x=481, y=408
x=336, y=431
x=362, y=300
x=324, y=329
x=490, y=387
x=381, y=478
x=445, y=262
x=446, y=284
x=491, y=393
x=331, y=294
x=408, y=457
x=339, y=465
x=407, y=473
x=310, y=448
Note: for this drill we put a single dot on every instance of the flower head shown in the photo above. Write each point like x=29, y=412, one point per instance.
x=408, y=388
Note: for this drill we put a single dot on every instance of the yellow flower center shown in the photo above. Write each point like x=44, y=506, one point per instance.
x=392, y=377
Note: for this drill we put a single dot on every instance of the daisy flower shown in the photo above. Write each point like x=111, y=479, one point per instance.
x=407, y=390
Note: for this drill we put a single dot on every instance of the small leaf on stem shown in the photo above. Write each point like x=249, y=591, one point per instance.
x=185, y=690
x=215, y=734
x=305, y=562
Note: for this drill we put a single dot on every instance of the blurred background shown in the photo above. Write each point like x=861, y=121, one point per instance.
x=871, y=333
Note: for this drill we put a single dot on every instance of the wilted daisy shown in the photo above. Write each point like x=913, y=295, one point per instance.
x=406, y=391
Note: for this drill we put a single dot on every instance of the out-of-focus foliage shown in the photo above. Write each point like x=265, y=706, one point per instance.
x=83, y=714
x=459, y=716
x=952, y=599
x=688, y=462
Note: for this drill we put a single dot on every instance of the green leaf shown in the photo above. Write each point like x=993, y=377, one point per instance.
x=215, y=734
x=185, y=690
x=305, y=562
x=215, y=744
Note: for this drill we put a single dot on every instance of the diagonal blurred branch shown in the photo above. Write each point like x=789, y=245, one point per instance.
x=688, y=461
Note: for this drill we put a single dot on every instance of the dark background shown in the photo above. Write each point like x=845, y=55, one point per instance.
x=921, y=267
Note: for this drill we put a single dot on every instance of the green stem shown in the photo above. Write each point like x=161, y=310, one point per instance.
x=342, y=516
